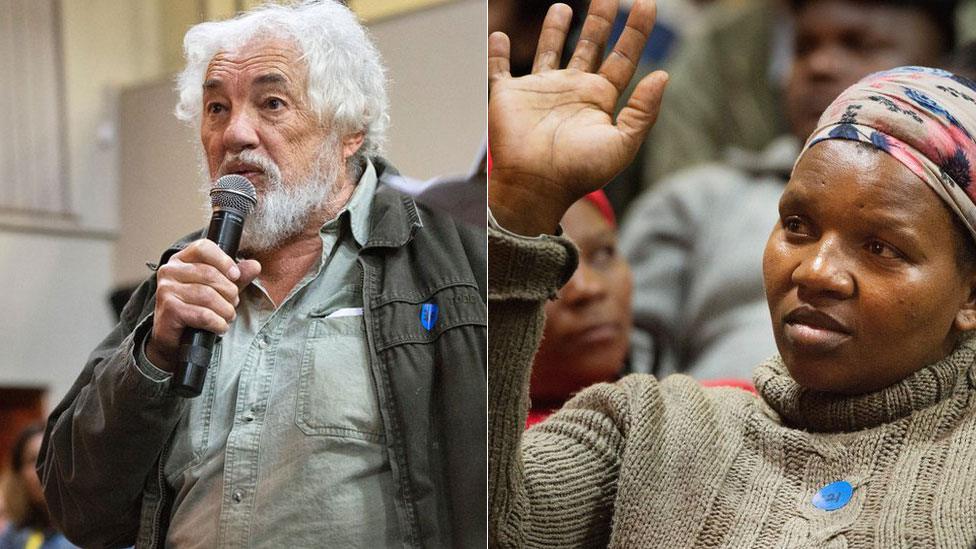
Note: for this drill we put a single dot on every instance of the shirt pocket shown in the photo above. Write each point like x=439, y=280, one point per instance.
x=336, y=392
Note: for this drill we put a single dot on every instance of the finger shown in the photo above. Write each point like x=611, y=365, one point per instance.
x=552, y=38
x=593, y=37
x=202, y=318
x=198, y=295
x=198, y=273
x=642, y=108
x=173, y=315
x=620, y=65
x=250, y=269
x=499, y=51
x=207, y=251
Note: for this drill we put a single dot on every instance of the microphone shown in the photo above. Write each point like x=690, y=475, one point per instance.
x=232, y=197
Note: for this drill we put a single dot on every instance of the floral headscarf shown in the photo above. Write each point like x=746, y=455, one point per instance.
x=925, y=118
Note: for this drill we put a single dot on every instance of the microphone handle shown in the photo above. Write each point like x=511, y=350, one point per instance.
x=196, y=345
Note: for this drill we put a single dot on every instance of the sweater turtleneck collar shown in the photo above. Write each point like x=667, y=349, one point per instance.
x=826, y=412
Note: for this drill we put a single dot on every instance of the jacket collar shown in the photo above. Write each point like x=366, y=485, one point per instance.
x=394, y=217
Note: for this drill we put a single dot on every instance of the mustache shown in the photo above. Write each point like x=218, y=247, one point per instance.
x=248, y=157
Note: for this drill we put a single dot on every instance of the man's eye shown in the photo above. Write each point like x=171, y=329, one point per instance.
x=215, y=108
x=274, y=103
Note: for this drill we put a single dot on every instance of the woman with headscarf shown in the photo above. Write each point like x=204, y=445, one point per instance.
x=864, y=432
x=588, y=335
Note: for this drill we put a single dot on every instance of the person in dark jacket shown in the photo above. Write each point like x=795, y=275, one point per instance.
x=345, y=402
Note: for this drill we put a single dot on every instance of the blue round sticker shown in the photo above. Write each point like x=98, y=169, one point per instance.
x=833, y=496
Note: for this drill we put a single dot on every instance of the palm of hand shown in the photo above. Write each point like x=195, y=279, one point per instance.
x=555, y=129
x=552, y=134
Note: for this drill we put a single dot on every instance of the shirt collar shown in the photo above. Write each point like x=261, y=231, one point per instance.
x=360, y=204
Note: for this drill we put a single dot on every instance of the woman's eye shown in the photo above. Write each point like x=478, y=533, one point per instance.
x=794, y=224
x=274, y=103
x=882, y=249
x=603, y=256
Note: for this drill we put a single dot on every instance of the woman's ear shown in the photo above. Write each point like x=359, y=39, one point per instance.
x=966, y=316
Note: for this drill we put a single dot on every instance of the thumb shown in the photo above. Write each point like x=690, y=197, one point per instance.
x=250, y=269
x=641, y=111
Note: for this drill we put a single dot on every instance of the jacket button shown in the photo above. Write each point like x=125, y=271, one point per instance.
x=238, y=496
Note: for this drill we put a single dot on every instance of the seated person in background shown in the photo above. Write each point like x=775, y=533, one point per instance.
x=727, y=76
x=864, y=432
x=588, y=336
x=728, y=80
x=695, y=242
x=30, y=524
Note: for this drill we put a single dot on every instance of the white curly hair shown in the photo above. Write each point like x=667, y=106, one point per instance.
x=346, y=78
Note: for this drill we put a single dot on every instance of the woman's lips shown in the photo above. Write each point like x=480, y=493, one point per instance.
x=814, y=331
x=813, y=339
x=598, y=333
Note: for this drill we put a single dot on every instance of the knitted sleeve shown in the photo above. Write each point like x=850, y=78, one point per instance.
x=555, y=485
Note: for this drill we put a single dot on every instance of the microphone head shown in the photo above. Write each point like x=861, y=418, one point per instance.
x=234, y=192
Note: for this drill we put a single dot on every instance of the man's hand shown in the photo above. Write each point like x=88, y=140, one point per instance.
x=552, y=135
x=197, y=288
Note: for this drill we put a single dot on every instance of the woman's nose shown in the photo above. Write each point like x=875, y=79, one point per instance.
x=586, y=284
x=826, y=270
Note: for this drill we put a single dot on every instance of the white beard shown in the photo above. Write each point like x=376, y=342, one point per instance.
x=284, y=209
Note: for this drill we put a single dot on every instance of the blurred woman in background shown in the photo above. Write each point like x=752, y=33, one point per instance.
x=29, y=525
x=588, y=336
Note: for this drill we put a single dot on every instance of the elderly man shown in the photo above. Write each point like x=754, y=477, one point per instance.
x=332, y=416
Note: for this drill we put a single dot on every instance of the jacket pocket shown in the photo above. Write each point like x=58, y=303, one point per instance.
x=336, y=392
x=422, y=317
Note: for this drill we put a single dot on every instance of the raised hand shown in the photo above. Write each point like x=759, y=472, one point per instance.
x=552, y=134
x=197, y=288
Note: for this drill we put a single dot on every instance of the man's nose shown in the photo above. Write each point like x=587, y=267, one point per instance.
x=825, y=271
x=241, y=132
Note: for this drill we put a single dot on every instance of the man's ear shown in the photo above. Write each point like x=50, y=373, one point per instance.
x=966, y=316
x=351, y=143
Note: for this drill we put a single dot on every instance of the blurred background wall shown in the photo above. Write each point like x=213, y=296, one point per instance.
x=122, y=175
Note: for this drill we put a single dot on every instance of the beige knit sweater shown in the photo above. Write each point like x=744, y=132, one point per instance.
x=648, y=463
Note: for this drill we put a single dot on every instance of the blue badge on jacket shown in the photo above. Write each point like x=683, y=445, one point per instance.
x=428, y=315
